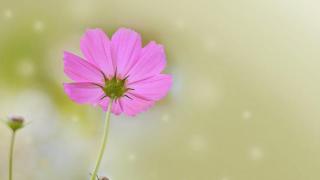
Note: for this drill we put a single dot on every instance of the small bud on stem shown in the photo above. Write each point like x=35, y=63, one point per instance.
x=103, y=178
x=15, y=122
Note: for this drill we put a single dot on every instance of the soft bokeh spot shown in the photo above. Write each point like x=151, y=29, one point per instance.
x=38, y=26
x=256, y=153
x=7, y=14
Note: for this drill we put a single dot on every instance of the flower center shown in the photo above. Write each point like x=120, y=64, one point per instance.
x=115, y=88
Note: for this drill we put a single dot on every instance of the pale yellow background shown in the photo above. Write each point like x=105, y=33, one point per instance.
x=245, y=102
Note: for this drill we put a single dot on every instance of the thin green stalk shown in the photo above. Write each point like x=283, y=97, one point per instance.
x=104, y=142
x=11, y=155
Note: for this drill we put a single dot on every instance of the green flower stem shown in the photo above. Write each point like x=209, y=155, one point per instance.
x=104, y=141
x=13, y=136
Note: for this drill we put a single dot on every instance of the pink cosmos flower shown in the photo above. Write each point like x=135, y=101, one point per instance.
x=119, y=69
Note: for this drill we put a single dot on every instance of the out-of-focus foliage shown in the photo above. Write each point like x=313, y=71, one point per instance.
x=244, y=105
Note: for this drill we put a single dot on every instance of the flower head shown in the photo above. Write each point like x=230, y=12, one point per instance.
x=119, y=70
x=15, y=122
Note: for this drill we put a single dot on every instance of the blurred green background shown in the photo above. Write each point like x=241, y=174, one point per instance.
x=244, y=104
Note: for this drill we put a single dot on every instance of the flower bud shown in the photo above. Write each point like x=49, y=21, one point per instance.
x=15, y=122
x=103, y=178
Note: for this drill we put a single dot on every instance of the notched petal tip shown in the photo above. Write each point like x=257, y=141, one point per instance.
x=94, y=31
x=68, y=56
x=95, y=46
x=65, y=54
x=126, y=32
x=125, y=29
x=80, y=70
x=154, y=43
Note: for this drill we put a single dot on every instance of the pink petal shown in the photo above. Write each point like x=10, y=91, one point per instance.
x=80, y=70
x=128, y=106
x=116, y=107
x=153, y=88
x=95, y=45
x=126, y=47
x=84, y=92
x=151, y=62
x=132, y=107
